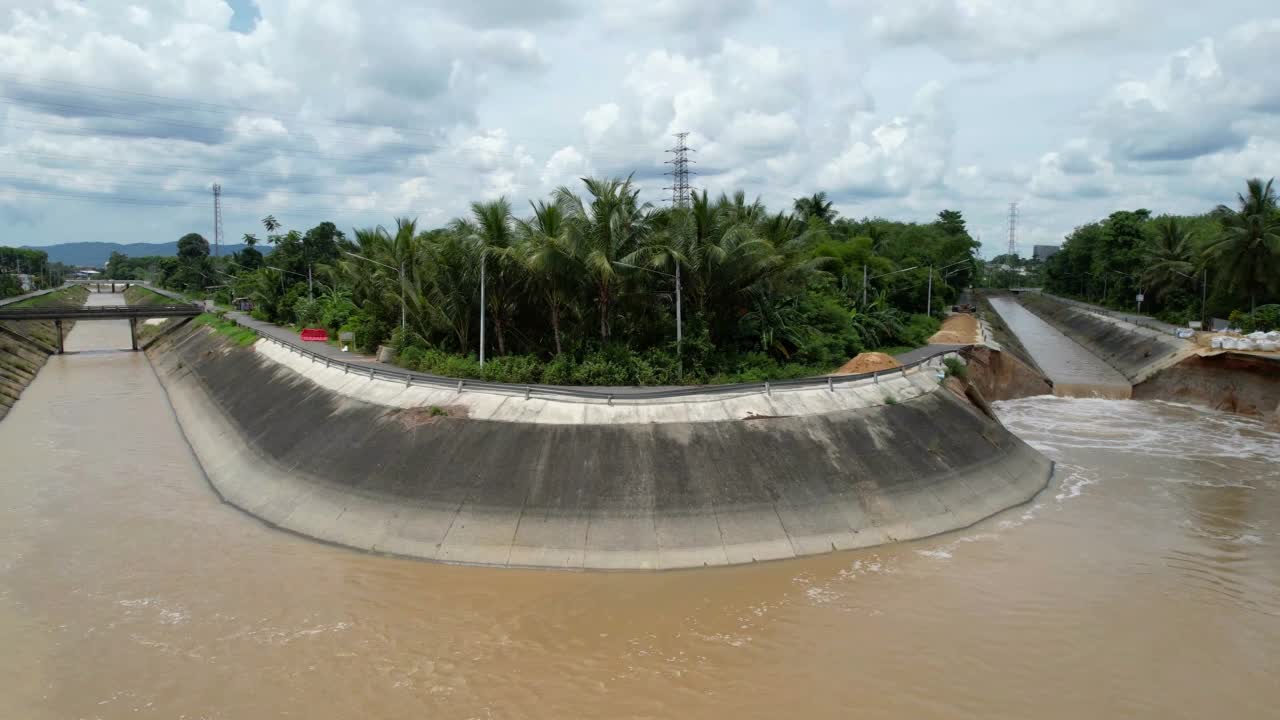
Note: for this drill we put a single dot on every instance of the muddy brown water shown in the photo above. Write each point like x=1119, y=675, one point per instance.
x=1144, y=583
x=1075, y=371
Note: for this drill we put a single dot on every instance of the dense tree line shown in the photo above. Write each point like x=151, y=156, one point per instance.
x=581, y=288
x=27, y=261
x=1227, y=259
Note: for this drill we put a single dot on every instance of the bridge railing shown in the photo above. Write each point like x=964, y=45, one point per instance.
x=561, y=392
x=90, y=312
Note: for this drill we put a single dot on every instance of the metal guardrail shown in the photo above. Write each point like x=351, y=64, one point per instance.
x=551, y=392
x=100, y=312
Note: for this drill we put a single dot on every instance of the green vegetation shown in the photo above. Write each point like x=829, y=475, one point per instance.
x=25, y=261
x=139, y=295
x=1167, y=259
x=1264, y=318
x=955, y=368
x=66, y=297
x=582, y=289
x=238, y=333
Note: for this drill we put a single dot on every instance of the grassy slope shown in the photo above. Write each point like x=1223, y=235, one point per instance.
x=20, y=362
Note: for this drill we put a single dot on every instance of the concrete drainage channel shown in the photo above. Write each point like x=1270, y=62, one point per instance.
x=505, y=477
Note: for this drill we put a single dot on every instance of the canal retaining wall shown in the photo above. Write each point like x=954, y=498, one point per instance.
x=20, y=360
x=1136, y=352
x=498, y=479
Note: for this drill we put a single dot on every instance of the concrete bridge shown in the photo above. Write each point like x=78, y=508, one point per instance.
x=110, y=285
x=132, y=313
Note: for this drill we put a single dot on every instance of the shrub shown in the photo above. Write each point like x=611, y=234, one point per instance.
x=307, y=311
x=518, y=369
x=955, y=368
x=1263, y=317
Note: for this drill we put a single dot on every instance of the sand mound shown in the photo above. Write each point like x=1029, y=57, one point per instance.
x=868, y=362
x=959, y=329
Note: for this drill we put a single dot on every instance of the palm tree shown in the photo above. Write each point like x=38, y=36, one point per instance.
x=548, y=257
x=1248, y=250
x=1167, y=257
x=816, y=207
x=603, y=232
x=491, y=231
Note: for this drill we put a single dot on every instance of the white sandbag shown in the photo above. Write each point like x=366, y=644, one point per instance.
x=1268, y=346
x=1216, y=342
x=1230, y=343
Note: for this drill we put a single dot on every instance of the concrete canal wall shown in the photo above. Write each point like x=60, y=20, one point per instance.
x=1136, y=352
x=498, y=479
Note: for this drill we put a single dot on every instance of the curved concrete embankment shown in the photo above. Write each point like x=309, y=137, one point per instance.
x=441, y=484
x=1136, y=352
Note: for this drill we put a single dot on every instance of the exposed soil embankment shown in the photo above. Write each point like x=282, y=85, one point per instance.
x=446, y=487
x=1137, y=353
x=1232, y=382
x=1002, y=376
x=20, y=360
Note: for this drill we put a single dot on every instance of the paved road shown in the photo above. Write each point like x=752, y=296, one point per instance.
x=923, y=352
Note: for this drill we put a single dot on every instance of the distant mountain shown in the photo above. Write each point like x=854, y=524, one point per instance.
x=97, y=253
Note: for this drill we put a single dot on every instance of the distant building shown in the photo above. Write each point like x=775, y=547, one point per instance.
x=85, y=274
x=1044, y=252
x=26, y=282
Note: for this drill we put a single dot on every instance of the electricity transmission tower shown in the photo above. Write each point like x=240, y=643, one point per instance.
x=217, y=219
x=679, y=163
x=680, y=200
x=1013, y=228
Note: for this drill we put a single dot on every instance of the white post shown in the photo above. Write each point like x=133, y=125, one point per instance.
x=679, y=327
x=482, y=309
x=928, y=305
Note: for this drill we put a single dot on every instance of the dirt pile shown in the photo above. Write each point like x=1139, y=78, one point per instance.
x=868, y=362
x=958, y=329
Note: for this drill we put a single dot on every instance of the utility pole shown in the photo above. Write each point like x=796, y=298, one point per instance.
x=1013, y=228
x=217, y=219
x=680, y=202
x=928, y=305
x=482, y=264
x=864, y=285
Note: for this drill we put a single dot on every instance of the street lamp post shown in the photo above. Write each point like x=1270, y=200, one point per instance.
x=482, y=264
x=402, y=300
x=679, y=313
x=928, y=307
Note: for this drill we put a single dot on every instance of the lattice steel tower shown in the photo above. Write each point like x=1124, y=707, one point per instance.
x=217, y=219
x=1013, y=228
x=680, y=172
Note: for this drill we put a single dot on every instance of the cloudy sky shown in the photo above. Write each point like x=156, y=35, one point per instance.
x=116, y=117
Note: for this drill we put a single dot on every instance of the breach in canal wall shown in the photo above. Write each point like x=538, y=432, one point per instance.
x=487, y=478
